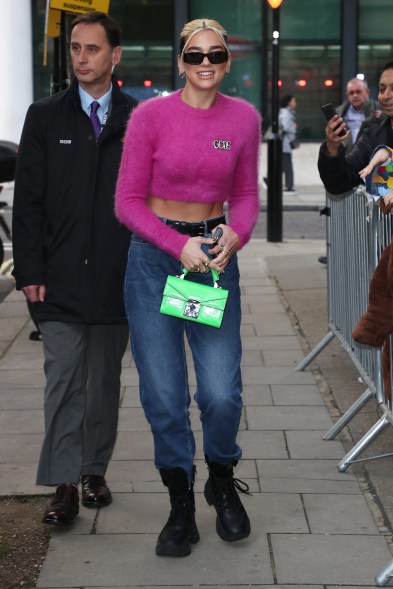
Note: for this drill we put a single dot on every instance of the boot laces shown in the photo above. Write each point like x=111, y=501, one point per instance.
x=181, y=508
x=228, y=489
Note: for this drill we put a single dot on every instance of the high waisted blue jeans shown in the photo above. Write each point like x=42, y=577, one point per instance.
x=158, y=348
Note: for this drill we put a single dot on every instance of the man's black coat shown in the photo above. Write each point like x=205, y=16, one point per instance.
x=65, y=234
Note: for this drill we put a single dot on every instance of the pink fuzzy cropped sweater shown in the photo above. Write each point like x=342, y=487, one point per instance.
x=177, y=152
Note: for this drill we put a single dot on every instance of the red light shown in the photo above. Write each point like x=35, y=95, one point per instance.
x=147, y=83
x=279, y=83
x=302, y=83
x=329, y=83
x=120, y=82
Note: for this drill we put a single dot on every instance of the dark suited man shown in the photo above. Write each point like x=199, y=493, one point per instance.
x=70, y=257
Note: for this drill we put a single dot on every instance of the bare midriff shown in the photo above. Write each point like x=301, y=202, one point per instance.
x=184, y=211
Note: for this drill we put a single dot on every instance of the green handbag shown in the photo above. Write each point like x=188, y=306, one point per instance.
x=196, y=302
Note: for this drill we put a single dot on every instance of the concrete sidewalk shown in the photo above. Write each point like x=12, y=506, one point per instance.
x=311, y=525
x=304, y=198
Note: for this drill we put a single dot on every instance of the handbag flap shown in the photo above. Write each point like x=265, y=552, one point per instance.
x=185, y=290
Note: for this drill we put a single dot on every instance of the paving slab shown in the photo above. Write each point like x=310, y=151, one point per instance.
x=19, y=447
x=286, y=342
x=296, y=395
x=16, y=378
x=282, y=358
x=8, y=326
x=29, y=398
x=304, y=418
x=305, y=476
x=22, y=420
x=309, y=445
x=18, y=478
x=257, y=395
x=275, y=375
x=338, y=514
x=93, y=559
x=328, y=559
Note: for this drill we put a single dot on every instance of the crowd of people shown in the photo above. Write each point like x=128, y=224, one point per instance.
x=95, y=167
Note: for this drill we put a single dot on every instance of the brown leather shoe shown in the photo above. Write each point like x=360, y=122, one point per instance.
x=95, y=492
x=64, y=507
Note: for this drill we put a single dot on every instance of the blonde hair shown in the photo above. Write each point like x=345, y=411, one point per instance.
x=202, y=24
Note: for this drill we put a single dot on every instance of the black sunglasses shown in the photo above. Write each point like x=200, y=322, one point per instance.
x=196, y=57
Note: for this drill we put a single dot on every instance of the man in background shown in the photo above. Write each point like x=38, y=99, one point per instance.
x=359, y=111
x=70, y=256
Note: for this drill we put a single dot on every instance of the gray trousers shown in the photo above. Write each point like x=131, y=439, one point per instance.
x=82, y=368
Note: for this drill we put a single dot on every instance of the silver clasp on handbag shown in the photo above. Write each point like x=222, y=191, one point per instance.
x=192, y=308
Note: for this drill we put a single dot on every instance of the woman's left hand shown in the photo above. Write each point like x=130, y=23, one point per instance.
x=195, y=260
x=226, y=246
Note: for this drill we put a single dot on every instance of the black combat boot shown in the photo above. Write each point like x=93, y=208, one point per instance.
x=180, y=531
x=221, y=491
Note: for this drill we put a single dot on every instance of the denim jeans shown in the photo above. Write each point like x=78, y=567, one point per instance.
x=158, y=348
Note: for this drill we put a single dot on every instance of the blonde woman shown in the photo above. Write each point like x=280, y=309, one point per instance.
x=184, y=156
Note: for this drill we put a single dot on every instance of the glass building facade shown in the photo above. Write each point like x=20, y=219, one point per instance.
x=313, y=46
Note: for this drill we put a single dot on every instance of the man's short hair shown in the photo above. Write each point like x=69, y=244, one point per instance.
x=388, y=66
x=112, y=28
x=355, y=80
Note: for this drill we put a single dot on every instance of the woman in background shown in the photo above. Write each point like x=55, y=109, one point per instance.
x=287, y=125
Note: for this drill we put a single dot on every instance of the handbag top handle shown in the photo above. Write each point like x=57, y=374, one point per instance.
x=215, y=275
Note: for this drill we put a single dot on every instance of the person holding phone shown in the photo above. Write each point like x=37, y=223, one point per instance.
x=184, y=156
x=339, y=171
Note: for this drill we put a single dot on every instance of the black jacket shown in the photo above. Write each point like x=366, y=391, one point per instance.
x=65, y=234
x=340, y=174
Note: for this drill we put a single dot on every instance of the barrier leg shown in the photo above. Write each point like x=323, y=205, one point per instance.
x=363, y=443
x=315, y=351
x=385, y=575
x=344, y=419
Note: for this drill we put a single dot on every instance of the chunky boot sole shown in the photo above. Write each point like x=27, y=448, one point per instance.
x=221, y=531
x=170, y=549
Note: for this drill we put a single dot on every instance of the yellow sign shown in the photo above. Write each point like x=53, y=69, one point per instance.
x=53, y=23
x=80, y=6
x=52, y=27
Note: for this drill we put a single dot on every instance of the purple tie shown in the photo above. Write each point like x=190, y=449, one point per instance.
x=95, y=121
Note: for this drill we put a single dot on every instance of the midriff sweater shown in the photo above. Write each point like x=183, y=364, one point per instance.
x=179, y=153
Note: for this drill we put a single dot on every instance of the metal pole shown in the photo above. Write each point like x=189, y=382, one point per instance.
x=60, y=79
x=181, y=15
x=274, y=159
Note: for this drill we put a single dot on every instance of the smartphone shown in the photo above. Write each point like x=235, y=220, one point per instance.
x=217, y=234
x=329, y=111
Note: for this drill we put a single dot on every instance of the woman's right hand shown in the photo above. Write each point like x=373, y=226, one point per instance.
x=34, y=293
x=194, y=258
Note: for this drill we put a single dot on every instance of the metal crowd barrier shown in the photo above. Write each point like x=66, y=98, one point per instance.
x=356, y=232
